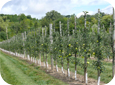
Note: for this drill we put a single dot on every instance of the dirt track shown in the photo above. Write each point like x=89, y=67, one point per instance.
x=64, y=78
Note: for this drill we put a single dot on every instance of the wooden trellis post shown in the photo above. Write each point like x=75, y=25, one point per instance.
x=68, y=71
x=51, y=40
x=46, y=53
x=110, y=28
x=68, y=26
x=6, y=33
x=98, y=80
x=60, y=28
x=113, y=67
x=43, y=42
x=75, y=24
x=23, y=43
x=39, y=53
x=75, y=56
x=85, y=58
x=61, y=36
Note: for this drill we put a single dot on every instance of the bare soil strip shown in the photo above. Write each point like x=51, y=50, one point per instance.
x=63, y=77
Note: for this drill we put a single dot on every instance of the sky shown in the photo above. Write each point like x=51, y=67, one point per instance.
x=38, y=8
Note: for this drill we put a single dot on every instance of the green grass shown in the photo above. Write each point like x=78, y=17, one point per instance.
x=17, y=72
x=106, y=76
x=35, y=75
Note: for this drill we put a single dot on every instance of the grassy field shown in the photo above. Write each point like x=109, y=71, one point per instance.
x=17, y=72
x=106, y=76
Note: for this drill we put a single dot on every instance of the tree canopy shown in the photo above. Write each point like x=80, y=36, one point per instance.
x=20, y=23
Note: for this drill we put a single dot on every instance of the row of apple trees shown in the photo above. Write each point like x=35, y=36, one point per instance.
x=63, y=46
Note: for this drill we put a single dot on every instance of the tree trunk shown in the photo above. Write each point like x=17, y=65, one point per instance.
x=75, y=67
x=52, y=64
x=62, y=65
x=40, y=58
x=85, y=70
x=98, y=80
x=56, y=65
x=46, y=62
x=43, y=59
x=68, y=73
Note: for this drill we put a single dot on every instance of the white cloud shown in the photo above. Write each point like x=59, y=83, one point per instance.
x=112, y=2
x=38, y=8
x=107, y=10
x=3, y=2
x=88, y=2
x=89, y=12
x=79, y=14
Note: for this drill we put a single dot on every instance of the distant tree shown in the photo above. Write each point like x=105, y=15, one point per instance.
x=36, y=24
x=53, y=15
x=1, y=14
x=2, y=35
x=15, y=27
x=44, y=22
x=2, y=24
x=25, y=25
x=63, y=24
x=106, y=21
x=93, y=20
x=4, y=18
x=29, y=17
x=22, y=17
x=14, y=18
x=101, y=14
x=34, y=19
x=68, y=16
x=31, y=23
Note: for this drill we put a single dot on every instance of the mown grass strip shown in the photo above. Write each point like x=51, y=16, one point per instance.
x=7, y=75
x=106, y=76
x=30, y=73
x=15, y=72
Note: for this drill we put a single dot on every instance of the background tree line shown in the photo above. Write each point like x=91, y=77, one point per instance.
x=13, y=24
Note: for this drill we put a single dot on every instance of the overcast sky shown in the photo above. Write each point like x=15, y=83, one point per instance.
x=38, y=8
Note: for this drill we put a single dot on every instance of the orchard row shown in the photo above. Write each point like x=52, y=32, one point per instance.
x=61, y=45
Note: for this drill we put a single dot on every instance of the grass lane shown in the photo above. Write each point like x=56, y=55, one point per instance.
x=31, y=72
x=106, y=76
x=18, y=72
